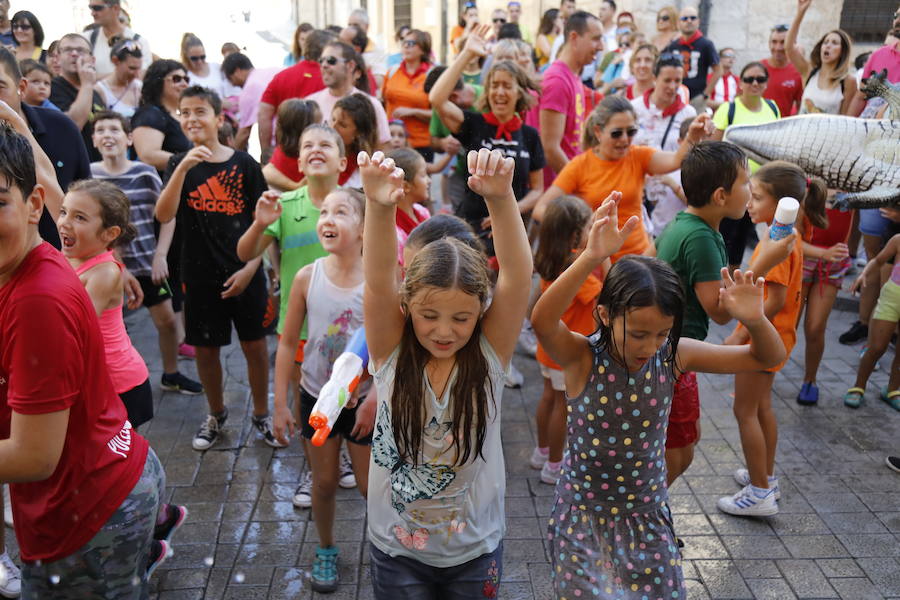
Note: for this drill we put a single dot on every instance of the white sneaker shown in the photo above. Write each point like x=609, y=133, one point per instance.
x=10, y=577
x=746, y=504
x=742, y=476
x=514, y=377
x=7, y=506
x=548, y=475
x=527, y=339
x=347, y=478
x=538, y=458
x=303, y=494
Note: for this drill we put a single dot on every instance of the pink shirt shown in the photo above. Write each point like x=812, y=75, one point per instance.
x=564, y=93
x=886, y=57
x=248, y=102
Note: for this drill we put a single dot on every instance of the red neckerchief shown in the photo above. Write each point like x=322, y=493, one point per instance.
x=504, y=129
x=629, y=92
x=405, y=222
x=349, y=170
x=690, y=42
x=423, y=68
x=672, y=109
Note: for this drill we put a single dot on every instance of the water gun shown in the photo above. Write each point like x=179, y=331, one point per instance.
x=348, y=369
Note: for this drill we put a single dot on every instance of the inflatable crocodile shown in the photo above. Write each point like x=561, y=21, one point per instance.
x=860, y=157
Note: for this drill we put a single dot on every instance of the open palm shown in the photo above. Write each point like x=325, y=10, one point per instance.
x=268, y=208
x=605, y=237
x=476, y=42
x=742, y=297
x=382, y=180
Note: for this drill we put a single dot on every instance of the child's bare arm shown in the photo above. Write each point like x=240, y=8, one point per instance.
x=707, y=293
x=440, y=164
x=283, y=423
x=170, y=196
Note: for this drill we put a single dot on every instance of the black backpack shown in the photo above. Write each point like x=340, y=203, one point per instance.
x=95, y=33
x=732, y=108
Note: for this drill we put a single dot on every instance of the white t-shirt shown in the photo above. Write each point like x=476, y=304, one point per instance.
x=436, y=513
x=326, y=101
x=103, y=64
x=213, y=80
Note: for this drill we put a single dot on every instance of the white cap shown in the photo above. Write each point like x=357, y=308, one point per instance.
x=787, y=210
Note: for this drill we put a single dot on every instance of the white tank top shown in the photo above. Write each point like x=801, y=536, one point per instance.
x=332, y=315
x=819, y=100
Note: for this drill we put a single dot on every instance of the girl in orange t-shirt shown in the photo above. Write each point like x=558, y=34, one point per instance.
x=783, y=301
x=610, y=163
x=563, y=235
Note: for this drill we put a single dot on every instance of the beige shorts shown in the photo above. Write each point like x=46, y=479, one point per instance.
x=557, y=378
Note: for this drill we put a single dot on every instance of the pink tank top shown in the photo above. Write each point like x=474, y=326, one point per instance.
x=127, y=369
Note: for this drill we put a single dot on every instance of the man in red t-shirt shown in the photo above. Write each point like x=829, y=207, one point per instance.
x=785, y=84
x=82, y=481
x=298, y=81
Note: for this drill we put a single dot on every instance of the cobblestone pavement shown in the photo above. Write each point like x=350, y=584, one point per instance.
x=837, y=534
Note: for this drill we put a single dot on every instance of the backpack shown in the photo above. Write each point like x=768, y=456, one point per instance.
x=95, y=33
x=732, y=107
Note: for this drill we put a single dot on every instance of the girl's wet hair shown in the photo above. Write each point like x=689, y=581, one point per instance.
x=444, y=226
x=357, y=200
x=16, y=161
x=638, y=282
x=115, y=209
x=294, y=116
x=561, y=230
x=787, y=179
x=444, y=264
x=407, y=159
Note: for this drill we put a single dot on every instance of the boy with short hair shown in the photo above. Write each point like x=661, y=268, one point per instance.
x=37, y=84
x=212, y=191
x=144, y=256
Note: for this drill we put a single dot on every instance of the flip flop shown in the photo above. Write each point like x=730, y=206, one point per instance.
x=892, y=398
x=854, y=397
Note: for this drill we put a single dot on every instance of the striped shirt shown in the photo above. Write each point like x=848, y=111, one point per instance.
x=142, y=185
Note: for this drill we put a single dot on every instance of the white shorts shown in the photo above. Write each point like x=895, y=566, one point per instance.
x=557, y=378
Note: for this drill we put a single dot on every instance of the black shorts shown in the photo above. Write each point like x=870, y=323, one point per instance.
x=736, y=233
x=344, y=425
x=154, y=294
x=138, y=403
x=208, y=317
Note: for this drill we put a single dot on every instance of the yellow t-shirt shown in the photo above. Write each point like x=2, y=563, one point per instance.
x=745, y=116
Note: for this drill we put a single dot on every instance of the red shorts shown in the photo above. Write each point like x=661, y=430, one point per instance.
x=685, y=413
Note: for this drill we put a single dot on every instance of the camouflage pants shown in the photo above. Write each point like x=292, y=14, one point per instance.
x=113, y=564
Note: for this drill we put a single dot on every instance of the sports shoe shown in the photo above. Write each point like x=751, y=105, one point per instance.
x=181, y=384
x=187, y=351
x=208, y=434
x=809, y=394
x=159, y=552
x=7, y=506
x=742, y=476
x=303, y=494
x=345, y=468
x=264, y=427
x=857, y=333
x=893, y=463
x=549, y=475
x=527, y=339
x=747, y=504
x=324, y=570
x=538, y=458
x=10, y=577
x=175, y=516
x=514, y=377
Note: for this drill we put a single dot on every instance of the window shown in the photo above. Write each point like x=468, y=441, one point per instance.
x=402, y=13
x=867, y=21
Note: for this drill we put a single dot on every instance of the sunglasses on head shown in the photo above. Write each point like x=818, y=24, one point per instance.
x=122, y=47
x=758, y=79
x=330, y=60
x=180, y=78
x=617, y=133
x=780, y=28
x=198, y=58
x=470, y=5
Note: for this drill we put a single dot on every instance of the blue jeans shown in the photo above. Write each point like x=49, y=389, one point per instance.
x=403, y=578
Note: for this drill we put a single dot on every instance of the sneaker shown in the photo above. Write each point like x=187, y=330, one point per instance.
x=893, y=463
x=208, y=434
x=809, y=394
x=742, y=476
x=857, y=333
x=303, y=494
x=181, y=384
x=514, y=377
x=746, y=504
x=159, y=552
x=549, y=475
x=175, y=516
x=527, y=339
x=264, y=427
x=187, y=351
x=538, y=458
x=324, y=570
x=347, y=478
x=7, y=506
x=10, y=577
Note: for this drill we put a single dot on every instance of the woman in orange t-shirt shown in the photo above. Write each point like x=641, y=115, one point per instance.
x=404, y=91
x=611, y=163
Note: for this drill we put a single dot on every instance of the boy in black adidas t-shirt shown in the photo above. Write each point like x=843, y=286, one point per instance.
x=211, y=191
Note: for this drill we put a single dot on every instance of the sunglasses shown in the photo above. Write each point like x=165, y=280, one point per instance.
x=759, y=79
x=470, y=5
x=499, y=21
x=75, y=49
x=125, y=47
x=662, y=18
x=617, y=133
x=409, y=43
x=331, y=60
x=176, y=79
x=780, y=28
x=689, y=18
x=728, y=55
x=198, y=58
x=96, y=7
x=22, y=26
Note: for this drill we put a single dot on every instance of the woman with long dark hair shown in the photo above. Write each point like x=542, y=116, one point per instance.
x=29, y=36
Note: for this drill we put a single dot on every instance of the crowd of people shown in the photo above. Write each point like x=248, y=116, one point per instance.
x=589, y=215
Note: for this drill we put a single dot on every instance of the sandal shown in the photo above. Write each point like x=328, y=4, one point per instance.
x=892, y=398
x=854, y=397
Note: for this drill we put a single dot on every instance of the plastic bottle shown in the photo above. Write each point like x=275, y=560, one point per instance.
x=785, y=215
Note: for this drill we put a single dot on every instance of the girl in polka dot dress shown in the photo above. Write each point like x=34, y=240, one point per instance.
x=611, y=529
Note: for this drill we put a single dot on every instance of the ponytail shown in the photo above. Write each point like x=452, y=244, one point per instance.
x=787, y=179
x=814, y=202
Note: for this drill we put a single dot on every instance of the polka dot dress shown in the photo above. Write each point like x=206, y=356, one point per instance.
x=611, y=530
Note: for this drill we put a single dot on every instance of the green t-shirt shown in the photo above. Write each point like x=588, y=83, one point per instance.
x=295, y=232
x=696, y=252
x=437, y=129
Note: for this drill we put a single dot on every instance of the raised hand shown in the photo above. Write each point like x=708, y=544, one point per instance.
x=490, y=174
x=87, y=73
x=701, y=128
x=803, y=5
x=742, y=297
x=268, y=208
x=476, y=42
x=382, y=180
x=605, y=238
x=195, y=156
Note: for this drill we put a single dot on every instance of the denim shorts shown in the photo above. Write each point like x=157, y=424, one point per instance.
x=403, y=578
x=872, y=222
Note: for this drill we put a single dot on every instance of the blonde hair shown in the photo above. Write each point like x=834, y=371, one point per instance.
x=524, y=83
x=188, y=41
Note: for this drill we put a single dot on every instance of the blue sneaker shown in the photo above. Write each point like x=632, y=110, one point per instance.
x=809, y=394
x=324, y=570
